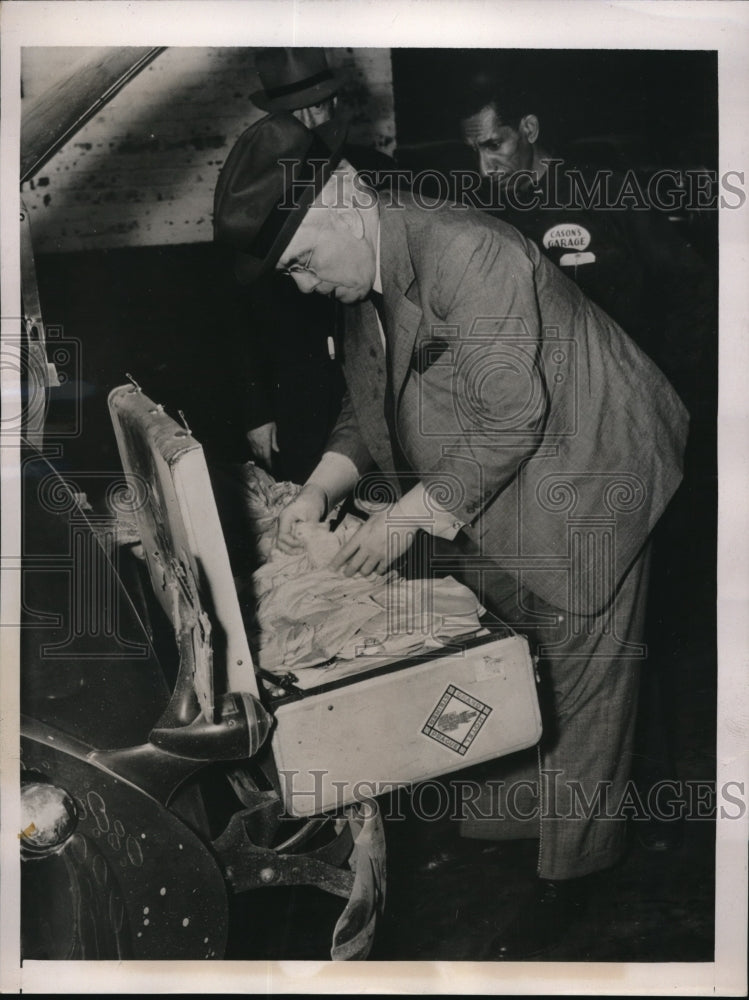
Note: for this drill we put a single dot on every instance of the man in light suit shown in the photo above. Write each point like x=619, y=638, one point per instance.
x=509, y=415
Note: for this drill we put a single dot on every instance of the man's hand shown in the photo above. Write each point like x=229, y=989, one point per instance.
x=377, y=544
x=263, y=443
x=310, y=506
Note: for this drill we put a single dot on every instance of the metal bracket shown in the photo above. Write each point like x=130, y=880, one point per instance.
x=359, y=843
x=248, y=866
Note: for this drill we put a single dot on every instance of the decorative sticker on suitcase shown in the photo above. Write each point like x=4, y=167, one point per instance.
x=456, y=720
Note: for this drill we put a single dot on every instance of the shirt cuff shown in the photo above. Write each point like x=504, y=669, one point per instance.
x=427, y=513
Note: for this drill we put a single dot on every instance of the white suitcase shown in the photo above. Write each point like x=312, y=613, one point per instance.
x=407, y=721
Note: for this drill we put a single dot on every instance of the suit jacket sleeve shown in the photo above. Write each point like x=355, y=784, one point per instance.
x=485, y=290
x=346, y=438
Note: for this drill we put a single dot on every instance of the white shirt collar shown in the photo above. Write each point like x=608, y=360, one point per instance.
x=377, y=286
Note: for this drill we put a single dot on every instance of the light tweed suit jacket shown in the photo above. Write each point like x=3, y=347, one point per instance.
x=531, y=415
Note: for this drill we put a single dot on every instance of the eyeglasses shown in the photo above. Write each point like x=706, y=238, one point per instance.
x=298, y=267
x=305, y=266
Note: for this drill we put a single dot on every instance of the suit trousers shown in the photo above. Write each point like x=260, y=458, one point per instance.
x=571, y=791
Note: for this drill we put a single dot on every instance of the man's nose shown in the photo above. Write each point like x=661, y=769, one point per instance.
x=306, y=281
x=487, y=164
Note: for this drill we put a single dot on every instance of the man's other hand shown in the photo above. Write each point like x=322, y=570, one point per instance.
x=377, y=544
x=310, y=506
x=263, y=443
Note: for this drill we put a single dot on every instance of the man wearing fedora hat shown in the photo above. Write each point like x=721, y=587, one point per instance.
x=294, y=384
x=506, y=413
x=296, y=79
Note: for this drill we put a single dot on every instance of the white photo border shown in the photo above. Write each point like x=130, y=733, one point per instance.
x=722, y=26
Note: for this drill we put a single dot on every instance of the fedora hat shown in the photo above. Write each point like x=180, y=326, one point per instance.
x=292, y=79
x=260, y=201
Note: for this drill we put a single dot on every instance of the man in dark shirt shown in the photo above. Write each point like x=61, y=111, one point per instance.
x=628, y=260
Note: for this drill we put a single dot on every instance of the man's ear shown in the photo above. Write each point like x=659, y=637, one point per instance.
x=350, y=219
x=530, y=128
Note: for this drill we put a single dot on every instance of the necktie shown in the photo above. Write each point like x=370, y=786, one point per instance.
x=379, y=303
x=399, y=459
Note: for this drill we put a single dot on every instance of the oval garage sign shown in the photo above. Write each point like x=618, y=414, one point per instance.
x=567, y=234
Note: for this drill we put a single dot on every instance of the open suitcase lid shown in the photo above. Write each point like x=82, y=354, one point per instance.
x=178, y=523
x=173, y=502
